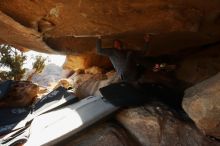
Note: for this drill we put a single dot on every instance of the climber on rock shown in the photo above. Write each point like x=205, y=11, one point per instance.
x=122, y=59
x=130, y=65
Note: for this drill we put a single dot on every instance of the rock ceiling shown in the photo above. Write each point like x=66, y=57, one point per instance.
x=69, y=26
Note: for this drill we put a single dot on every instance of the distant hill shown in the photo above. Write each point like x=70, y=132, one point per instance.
x=51, y=74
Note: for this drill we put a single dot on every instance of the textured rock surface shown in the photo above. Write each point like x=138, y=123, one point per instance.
x=67, y=26
x=154, y=125
x=107, y=134
x=149, y=125
x=88, y=84
x=64, y=83
x=75, y=62
x=54, y=17
x=200, y=66
x=20, y=94
x=201, y=102
x=15, y=34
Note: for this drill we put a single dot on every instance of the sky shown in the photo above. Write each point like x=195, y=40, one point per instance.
x=55, y=59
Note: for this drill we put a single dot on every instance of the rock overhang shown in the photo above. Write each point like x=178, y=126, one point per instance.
x=70, y=27
x=62, y=25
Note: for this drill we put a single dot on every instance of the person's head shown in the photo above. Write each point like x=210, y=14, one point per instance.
x=147, y=37
x=118, y=44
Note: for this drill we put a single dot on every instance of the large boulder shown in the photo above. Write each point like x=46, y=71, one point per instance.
x=157, y=125
x=199, y=66
x=20, y=94
x=149, y=125
x=202, y=104
x=70, y=26
x=105, y=134
x=13, y=33
x=88, y=84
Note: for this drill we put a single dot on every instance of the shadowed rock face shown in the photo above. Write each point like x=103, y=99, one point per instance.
x=20, y=94
x=70, y=26
x=54, y=24
x=158, y=125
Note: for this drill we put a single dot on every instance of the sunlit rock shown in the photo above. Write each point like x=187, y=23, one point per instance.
x=94, y=70
x=202, y=104
x=64, y=83
x=89, y=84
x=84, y=61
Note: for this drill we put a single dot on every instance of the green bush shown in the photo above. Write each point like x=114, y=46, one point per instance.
x=14, y=60
x=39, y=64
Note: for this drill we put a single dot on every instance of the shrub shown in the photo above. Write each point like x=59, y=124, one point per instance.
x=12, y=59
x=39, y=64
